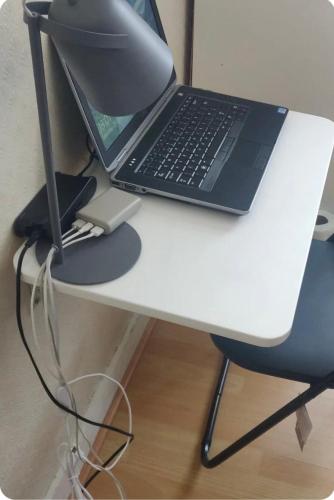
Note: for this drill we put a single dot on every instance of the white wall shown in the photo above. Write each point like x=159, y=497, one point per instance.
x=174, y=17
x=278, y=51
x=91, y=334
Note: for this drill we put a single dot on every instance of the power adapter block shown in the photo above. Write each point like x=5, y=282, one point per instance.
x=110, y=210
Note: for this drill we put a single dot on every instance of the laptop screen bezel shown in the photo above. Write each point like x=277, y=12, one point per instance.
x=109, y=155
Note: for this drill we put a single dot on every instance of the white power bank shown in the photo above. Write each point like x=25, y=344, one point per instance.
x=110, y=209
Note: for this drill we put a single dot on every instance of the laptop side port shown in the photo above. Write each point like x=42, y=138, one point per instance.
x=117, y=184
x=130, y=187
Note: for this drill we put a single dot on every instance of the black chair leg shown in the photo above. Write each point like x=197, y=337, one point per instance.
x=257, y=431
x=214, y=409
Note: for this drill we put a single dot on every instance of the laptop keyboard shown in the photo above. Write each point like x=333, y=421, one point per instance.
x=200, y=132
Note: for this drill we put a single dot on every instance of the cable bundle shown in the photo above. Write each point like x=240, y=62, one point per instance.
x=72, y=450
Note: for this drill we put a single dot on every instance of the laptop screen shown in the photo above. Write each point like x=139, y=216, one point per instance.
x=110, y=127
x=111, y=133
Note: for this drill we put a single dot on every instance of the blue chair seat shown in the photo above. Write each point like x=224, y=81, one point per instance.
x=308, y=353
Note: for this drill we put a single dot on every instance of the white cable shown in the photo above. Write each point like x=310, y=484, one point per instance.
x=50, y=317
x=78, y=224
x=70, y=231
x=78, y=488
x=72, y=237
x=116, y=481
x=95, y=232
x=44, y=279
x=84, y=229
x=33, y=301
x=89, y=236
x=61, y=459
x=80, y=492
x=50, y=320
x=114, y=381
x=86, y=492
x=81, y=456
x=39, y=284
x=73, y=476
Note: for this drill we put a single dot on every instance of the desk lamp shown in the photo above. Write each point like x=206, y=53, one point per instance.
x=122, y=67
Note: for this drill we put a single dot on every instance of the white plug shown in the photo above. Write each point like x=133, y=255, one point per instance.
x=97, y=231
x=78, y=224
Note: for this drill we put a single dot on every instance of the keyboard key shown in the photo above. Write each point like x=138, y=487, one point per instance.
x=149, y=171
x=195, y=181
x=173, y=176
x=204, y=168
x=189, y=170
x=169, y=162
x=178, y=167
x=184, y=179
x=162, y=174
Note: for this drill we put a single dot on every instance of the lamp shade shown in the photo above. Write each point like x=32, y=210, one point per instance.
x=121, y=65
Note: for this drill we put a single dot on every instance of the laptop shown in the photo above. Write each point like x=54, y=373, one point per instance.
x=192, y=145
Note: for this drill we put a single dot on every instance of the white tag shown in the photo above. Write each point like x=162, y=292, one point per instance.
x=303, y=426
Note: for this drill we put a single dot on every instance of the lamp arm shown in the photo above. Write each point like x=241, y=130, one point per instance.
x=68, y=33
x=44, y=121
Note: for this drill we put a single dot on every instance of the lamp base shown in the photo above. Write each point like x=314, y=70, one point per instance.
x=97, y=260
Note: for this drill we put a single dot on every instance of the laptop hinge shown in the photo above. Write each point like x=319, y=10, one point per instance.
x=142, y=130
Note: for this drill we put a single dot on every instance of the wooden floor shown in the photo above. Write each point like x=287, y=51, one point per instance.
x=170, y=393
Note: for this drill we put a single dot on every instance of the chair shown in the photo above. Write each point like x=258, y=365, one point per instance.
x=306, y=356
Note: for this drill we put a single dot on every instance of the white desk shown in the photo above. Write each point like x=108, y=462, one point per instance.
x=237, y=277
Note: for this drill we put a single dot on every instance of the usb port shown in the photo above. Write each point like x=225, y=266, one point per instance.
x=117, y=184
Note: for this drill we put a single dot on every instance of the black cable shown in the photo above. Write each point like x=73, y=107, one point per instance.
x=92, y=156
x=105, y=464
x=28, y=244
x=87, y=166
x=88, y=146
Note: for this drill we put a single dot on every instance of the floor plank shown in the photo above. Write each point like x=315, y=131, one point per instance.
x=170, y=393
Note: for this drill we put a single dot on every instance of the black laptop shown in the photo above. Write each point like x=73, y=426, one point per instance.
x=192, y=145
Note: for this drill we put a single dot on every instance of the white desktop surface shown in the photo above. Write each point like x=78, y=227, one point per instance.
x=238, y=277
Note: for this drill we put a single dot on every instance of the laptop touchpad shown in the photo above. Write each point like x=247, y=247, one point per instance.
x=252, y=155
x=245, y=153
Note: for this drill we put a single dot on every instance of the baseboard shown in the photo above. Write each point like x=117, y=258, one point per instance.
x=105, y=402
x=102, y=433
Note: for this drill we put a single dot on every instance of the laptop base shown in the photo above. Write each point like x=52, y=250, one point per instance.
x=224, y=173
